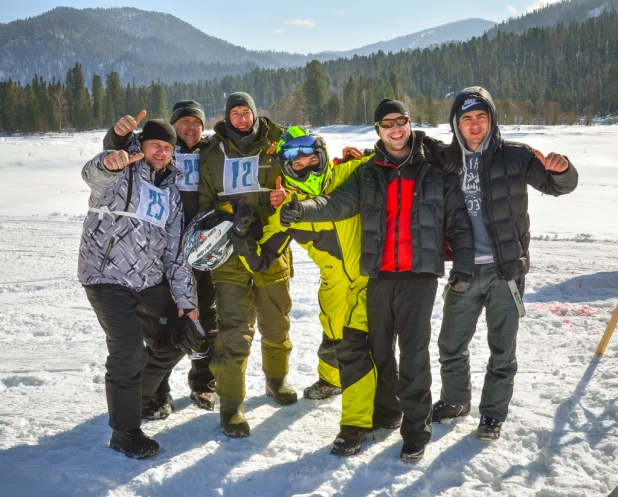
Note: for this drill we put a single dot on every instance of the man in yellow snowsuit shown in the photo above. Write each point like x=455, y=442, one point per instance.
x=335, y=248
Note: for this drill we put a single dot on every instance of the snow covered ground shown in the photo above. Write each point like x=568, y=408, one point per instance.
x=561, y=438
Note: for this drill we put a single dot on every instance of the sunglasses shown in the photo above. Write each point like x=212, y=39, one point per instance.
x=389, y=123
x=298, y=147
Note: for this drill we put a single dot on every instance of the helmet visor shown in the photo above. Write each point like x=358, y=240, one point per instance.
x=298, y=147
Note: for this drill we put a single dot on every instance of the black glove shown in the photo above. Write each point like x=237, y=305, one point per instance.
x=243, y=219
x=459, y=282
x=183, y=334
x=291, y=212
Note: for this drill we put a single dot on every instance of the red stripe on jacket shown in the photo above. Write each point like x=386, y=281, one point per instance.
x=397, y=251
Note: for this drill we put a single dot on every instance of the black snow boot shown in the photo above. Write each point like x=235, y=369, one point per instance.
x=411, y=452
x=348, y=442
x=321, y=389
x=158, y=408
x=442, y=410
x=204, y=400
x=134, y=443
x=489, y=429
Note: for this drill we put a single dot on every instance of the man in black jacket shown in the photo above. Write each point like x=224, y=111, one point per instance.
x=188, y=120
x=494, y=175
x=407, y=206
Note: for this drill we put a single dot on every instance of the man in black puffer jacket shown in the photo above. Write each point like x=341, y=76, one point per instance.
x=494, y=175
x=407, y=205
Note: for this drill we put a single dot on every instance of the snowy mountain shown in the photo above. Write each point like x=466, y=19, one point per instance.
x=151, y=46
x=564, y=12
x=455, y=31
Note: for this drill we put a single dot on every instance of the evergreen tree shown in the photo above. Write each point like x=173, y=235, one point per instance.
x=98, y=94
x=349, y=102
x=315, y=93
x=333, y=109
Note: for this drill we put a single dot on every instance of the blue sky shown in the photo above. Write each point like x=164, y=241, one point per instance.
x=311, y=26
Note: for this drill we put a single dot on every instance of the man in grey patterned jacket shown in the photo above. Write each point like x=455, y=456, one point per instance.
x=129, y=260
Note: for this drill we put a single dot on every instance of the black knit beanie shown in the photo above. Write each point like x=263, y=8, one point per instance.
x=388, y=106
x=184, y=108
x=240, y=98
x=158, y=129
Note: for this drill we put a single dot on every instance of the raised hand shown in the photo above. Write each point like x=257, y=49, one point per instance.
x=117, y=161
x=553, y=162
x=292, y=212
x=128, y=123
x=353, y=151
x=277, y=196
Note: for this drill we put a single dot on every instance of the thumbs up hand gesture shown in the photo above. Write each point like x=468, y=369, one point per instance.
x=128, y=123
x=277, y=196
x=117, y=161
x=553, y=162
x=292, y=212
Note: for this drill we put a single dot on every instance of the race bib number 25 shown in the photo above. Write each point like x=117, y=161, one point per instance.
x=154, y=205
x=189, y=164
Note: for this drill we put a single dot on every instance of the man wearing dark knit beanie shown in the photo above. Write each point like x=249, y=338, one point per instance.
x=135, y=276
x=187, y=120
x=407, y=206
x=238, y=163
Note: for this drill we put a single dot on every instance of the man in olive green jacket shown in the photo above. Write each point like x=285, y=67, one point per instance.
x=235, y=164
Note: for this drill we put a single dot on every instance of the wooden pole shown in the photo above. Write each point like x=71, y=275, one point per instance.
x=608, y=332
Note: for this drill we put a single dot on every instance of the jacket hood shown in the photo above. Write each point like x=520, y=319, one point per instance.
x=483, y=95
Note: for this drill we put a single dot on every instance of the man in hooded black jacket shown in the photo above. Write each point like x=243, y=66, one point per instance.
x=407, y=206
x=494, y=176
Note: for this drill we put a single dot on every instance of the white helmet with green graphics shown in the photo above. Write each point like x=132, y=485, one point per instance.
x=295, y=144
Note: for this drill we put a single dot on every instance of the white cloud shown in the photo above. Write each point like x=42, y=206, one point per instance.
x=307, y=23
x=512, y=10
x=339, y=12
x=277, y=31
x=540, y=4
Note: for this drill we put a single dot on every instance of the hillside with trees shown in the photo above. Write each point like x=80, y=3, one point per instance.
x=545, y=76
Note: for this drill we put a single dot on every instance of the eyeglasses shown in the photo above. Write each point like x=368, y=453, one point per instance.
x=389, y=123
x=301, y=146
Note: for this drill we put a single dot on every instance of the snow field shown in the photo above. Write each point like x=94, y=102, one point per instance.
x=560, y=440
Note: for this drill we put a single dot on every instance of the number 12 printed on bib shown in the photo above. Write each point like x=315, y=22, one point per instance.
x=241, y=175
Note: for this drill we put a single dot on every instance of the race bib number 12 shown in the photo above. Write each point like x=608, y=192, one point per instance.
x=154, y=205
x=241, y=175
x=189, y=164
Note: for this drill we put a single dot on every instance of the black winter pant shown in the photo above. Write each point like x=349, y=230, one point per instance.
x=461, y=314
x=134, y=371
x=402, y=309
x=200, y=377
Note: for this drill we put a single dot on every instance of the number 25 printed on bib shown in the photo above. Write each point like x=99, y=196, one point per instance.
x=241, y=175
x=154, y=205
x=189, y=164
